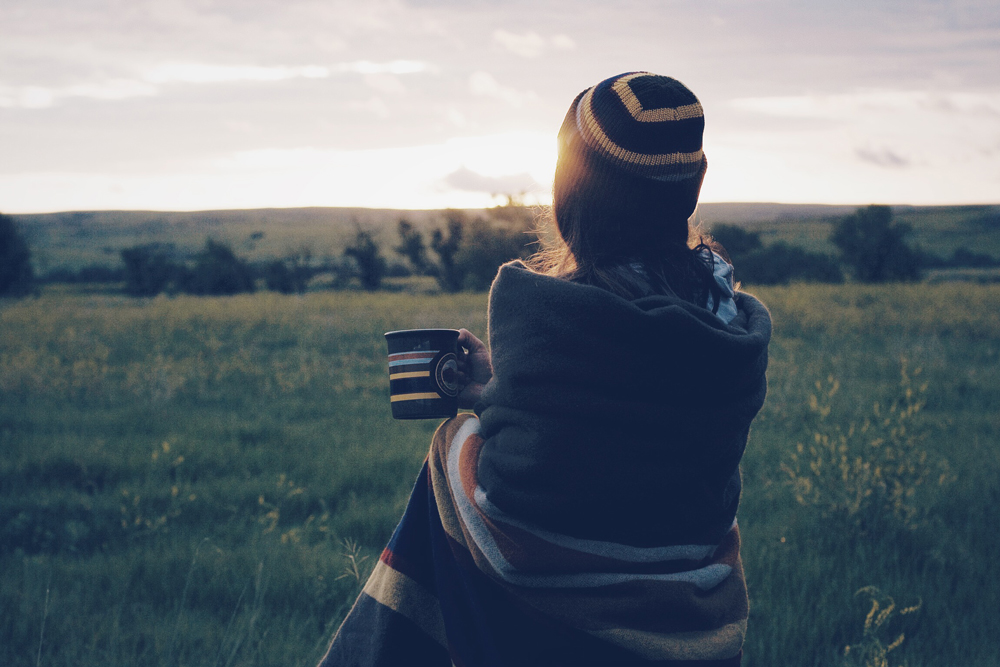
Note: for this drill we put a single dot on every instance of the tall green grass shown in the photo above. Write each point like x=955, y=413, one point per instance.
x=181, y=479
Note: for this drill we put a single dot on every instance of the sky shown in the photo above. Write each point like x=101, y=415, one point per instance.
x=217, y=104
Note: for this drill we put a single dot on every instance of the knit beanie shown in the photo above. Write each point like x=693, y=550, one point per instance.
x=645, y=124
x=630, y=151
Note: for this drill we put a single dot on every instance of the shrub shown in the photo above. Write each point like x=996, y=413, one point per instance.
x=60, y=274
x=470, y=252
x=872, y=650
x=413, y=248
x=869, y=474
x=446, y=244
x=775, y=264
x=16, y=273
x=486, y=247
x=781, y=263
x=149, y=269
x=291, y=274
x=92, y=273
x=736, y=240
x=100, y=273
x=963, y=257
x=217, y=271
x=367, y=256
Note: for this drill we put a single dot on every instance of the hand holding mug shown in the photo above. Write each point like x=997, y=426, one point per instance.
x=474, y=368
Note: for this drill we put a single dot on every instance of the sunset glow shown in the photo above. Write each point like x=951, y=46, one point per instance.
x=427, y=104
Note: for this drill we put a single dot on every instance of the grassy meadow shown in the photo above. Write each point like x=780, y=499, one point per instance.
x=205, y=481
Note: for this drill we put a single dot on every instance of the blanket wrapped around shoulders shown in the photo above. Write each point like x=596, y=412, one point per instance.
x=586, y=516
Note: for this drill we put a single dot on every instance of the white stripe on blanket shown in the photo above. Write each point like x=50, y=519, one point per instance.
x=704, y=578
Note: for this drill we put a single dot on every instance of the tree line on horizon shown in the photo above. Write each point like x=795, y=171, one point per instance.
x=464, y=252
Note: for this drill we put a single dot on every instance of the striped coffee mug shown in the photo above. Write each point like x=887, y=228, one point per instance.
x=423, y=373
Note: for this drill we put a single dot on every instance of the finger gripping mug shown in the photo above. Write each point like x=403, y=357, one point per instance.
x=423, y=373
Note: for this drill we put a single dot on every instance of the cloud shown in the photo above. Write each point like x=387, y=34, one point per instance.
x=531, y=44
x=206, y=73
x=563, y=42
x=379, y=76
x=385, y=83
x=373, y=107
x=483, y=83
x=464, y=178
x=883, y=157
x=392, y=67
x=528, y=45
x=850, y=105
x=41, y=97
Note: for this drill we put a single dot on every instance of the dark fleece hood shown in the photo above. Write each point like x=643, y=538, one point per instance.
x=618, y=420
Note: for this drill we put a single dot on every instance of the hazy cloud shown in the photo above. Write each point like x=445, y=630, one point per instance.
x=883, y=157
x=483, y=83
x=206, y=73
x=393, y=67
x=41, y=97
x=846, y=105
x=511, y=184
x=373, y=107
x=531, y=44
x=385, y=83
x=382, y=77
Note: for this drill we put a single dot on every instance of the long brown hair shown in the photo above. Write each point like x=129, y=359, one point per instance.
x=632, y=239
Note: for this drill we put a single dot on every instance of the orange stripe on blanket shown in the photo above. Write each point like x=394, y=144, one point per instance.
x=405, y=596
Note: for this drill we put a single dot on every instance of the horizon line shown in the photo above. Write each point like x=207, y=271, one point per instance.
x=483, y=208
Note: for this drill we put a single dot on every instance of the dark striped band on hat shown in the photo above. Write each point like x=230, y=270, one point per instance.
x=646, y=124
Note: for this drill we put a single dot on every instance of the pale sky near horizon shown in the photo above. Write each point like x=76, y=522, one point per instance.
x=214, y=104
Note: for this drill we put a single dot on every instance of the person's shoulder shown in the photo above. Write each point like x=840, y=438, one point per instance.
x=753, y=314
x=517, y=272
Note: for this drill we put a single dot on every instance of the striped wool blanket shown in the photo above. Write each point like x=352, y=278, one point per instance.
x=463, y=583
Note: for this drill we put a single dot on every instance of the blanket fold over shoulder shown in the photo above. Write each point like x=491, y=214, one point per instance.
x=463, y=583
x=616, y=420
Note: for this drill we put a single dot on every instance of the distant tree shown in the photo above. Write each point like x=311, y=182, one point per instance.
x=371, y=265
x=446, y=244
x=485, y=247
x=781, y=263
x=963, y=257
x=278, y=277
x=736, y=240
x=100, y=273
x=875, y=247
x=16, y=274
x=217, y=271
x=775, y=264
x=514, y=213
x=291, y=274
x=59, y=274
x=149, y=269
x=412, y=247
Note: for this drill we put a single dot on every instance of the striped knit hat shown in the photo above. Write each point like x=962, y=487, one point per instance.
x=630, y=167
x=645, y=124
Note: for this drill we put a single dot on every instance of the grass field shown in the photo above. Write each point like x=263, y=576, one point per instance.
x=180, y=476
